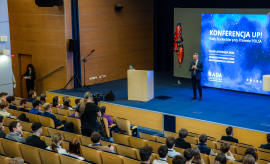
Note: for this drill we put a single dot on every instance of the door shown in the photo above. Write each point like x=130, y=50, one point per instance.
x=24, y=60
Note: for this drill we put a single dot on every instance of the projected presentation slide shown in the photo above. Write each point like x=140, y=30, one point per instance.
x=235, y=51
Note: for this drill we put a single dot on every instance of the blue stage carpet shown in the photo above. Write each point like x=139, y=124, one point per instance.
x=220, y=106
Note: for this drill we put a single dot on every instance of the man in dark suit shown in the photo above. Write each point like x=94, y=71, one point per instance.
x=229, y=137
x=196, y=67
x=34, y=140
x=266, y=146
x=180, y=142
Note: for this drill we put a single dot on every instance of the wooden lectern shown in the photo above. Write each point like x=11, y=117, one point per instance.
x=140, y=85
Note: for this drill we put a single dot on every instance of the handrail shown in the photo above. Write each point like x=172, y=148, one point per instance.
x=50, y=73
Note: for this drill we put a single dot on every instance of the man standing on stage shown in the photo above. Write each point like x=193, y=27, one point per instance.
x=196, y=67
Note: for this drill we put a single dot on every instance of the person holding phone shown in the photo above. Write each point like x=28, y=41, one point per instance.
x=30, y=76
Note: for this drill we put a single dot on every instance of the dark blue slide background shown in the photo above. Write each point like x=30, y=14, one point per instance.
x=235, y=51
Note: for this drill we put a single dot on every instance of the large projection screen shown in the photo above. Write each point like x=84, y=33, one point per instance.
x=233, y=44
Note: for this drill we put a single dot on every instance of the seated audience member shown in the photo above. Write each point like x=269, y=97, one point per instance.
x=15, y=132
x=266, y=146
x=221, y=158
x=32, y=96
x=252, y=152
x=146, y=154
x=77, y=102
x=48, y=113
x=3, y=96
x=180, y=142
x=197, y=156
x=64, y=99
x=225, y=149
x=36, y=108
x=170, y=143
x=56, y=144
x=56, y=101
x=43, y=98
x=163, y=154
x=95, y=138
x=229, y=137
x=11, y=101
x=75, y=149
x=16, y=160
x=3, y=112
x=34, y=140
x=67, y=104
x=189, y=155
x=178, y=159
x=23, y=105
x=103, y=111
x=2, y=128
x=248, y=159
x=202, y=145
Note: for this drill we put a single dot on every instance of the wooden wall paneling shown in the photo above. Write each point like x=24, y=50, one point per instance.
x=126, y=45
x=100, y=62
x=102, y=48
x=135, y=18
x=98, y=20
x=98, y=35
x=135, y=6
x=97, y=6
x=135, y=31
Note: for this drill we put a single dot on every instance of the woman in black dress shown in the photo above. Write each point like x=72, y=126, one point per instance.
x=30, y=76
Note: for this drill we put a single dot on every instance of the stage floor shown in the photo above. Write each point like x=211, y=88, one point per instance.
x=243, y=110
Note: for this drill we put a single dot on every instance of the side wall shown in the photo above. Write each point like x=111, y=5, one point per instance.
x=120, y=38
x=190, y=19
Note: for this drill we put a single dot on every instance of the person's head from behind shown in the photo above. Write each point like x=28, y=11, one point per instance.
x=56, y=100
x=183, y=133
x=4, y=105
x=65, y=98
x=56, y=141
x=178, y=159
x=67, y=103
x=146, y=153
x=189, y=154
x=252, y=152
x=36, y=104
x=225, y=147
x=229, y=131
x=32, y=94
x=248, y=159
x=30, y=67
x=43, y=97
x=78, y=101
x=3, y=96
x=195, y=56
x=75, y=147
x=103, y=109
x=47, y=107
x=221, y=158
x=95, y=137
x=203, y=138
x=268, y=138
x=37, y=128
x=87, y=98
x=10, y=100
x=196, y=151
x=16, y=160
x=1, y=121
x=170, y=142
x=15, y=127
x=163, y=151
x=23, y=103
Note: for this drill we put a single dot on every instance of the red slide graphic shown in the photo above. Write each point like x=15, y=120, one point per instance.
x=179, y=49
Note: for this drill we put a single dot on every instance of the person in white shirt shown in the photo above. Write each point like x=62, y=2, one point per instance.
x=225, y=149
x=170, y=143
x=75, y=149
x=189, y=155
x=56, y=144
x=163, y=153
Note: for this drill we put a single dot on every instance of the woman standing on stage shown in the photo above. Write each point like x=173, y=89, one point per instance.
x=30, y=76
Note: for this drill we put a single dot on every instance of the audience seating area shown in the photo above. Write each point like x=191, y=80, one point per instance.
x=126, y=145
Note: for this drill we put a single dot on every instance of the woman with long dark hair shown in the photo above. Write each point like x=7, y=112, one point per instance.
x=56, y=100
x=75, y=149
x=30, y=76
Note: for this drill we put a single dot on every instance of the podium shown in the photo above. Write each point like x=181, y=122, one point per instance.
x=266, y=82
x=140, y=85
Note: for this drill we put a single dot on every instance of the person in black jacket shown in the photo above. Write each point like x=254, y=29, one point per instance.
x=34, y=140
x=229, y=137
x=2, y=128
x=266, y=146
x=11, y=101
x=202, y=145
x=30, y=76
x=180, y=142
x=23, y=105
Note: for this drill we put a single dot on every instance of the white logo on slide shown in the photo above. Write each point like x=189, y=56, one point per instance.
x=214, y=76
